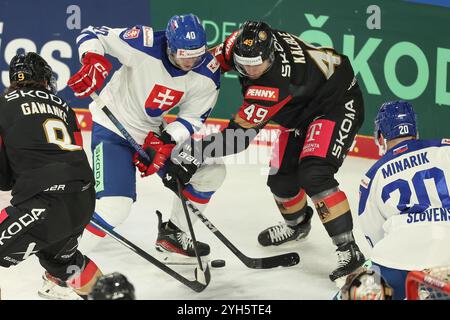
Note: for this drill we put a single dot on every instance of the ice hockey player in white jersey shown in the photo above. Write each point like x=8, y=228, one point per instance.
x=160, y=70
x=404, y=207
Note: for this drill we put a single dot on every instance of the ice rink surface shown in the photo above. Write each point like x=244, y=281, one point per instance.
x=240, y=209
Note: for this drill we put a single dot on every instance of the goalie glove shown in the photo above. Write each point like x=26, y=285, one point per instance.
x=158, y=148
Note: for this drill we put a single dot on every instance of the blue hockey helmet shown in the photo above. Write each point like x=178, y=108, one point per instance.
x=186, y=38
x=395, y=119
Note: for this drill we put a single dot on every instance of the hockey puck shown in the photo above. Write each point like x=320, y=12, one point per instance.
x=218, y=263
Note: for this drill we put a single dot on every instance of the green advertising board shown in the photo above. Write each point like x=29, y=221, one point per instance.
x=399, y=50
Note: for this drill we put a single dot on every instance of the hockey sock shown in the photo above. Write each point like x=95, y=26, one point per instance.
x=292, y=209
x=334, y=211
x=82, y=282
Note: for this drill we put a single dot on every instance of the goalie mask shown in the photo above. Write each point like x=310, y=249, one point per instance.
x=366, y=284
x=31, y=67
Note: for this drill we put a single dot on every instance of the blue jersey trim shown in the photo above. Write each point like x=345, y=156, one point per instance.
x=87, y=36
x=186, y=124
x=199, y=194
x=410, y=146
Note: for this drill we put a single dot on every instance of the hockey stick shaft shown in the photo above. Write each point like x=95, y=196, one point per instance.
x=288, y=259
x=119, y=126
x=283, y=260
x=189, y=222
x=194, y=285
x=144, y=154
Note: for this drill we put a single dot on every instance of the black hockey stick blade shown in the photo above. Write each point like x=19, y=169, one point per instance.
x=283, y=260
x=204, y=277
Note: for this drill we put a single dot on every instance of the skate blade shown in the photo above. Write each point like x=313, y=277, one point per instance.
x=59, y=296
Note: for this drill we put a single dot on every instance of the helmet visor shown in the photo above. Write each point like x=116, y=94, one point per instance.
x=187, y=59
x=252, y=67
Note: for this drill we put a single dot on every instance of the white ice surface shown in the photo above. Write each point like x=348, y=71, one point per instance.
x=240, y=209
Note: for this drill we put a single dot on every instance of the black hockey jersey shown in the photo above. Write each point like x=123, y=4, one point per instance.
x=41, y=144
x=303, y=82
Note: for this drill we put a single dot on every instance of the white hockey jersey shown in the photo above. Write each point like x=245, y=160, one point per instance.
x=404, y=206
x=147, y=85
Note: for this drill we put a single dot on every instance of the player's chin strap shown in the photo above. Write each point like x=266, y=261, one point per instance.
x=203, y=277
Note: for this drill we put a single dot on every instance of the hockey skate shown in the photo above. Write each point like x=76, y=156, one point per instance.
x=282, y=233
x=350, y=258
x=177, y=247
x=55, y=289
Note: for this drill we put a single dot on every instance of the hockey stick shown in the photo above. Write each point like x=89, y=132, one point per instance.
x=119, y=126
x=205, y=277
x=202, y=278
x=284, y=260
x=188, y=219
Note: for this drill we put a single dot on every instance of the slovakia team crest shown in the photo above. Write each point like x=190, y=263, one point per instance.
x=131, y=33
x=162, y=99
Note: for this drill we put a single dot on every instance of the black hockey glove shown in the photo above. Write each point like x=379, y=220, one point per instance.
x=181, y=166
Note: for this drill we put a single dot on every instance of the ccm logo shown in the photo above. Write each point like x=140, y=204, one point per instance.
x=262, y=93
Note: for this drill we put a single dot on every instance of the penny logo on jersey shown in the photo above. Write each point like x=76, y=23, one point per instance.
x=162, y=99
x=262, y=93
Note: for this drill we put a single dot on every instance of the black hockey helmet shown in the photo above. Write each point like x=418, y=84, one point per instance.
x=254, y=44
x=31, y=67
x=113, y=286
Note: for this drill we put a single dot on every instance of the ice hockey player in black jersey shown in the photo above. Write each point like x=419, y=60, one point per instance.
x=312, y=94
x=43, y=163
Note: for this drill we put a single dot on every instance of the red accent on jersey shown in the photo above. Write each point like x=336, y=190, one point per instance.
x=400, y=150
x=3, y=215
x=262, y=93
x=162, y=98
x=95, y=231
x=191, y=197
x=256, y=114
x=229, y=45
x=77, y=134
x=217, y=52
x=318, y=138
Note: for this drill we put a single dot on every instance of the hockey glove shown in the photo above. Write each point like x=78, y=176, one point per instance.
x=91, y=76
x=182, y=166
x=158, y=149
